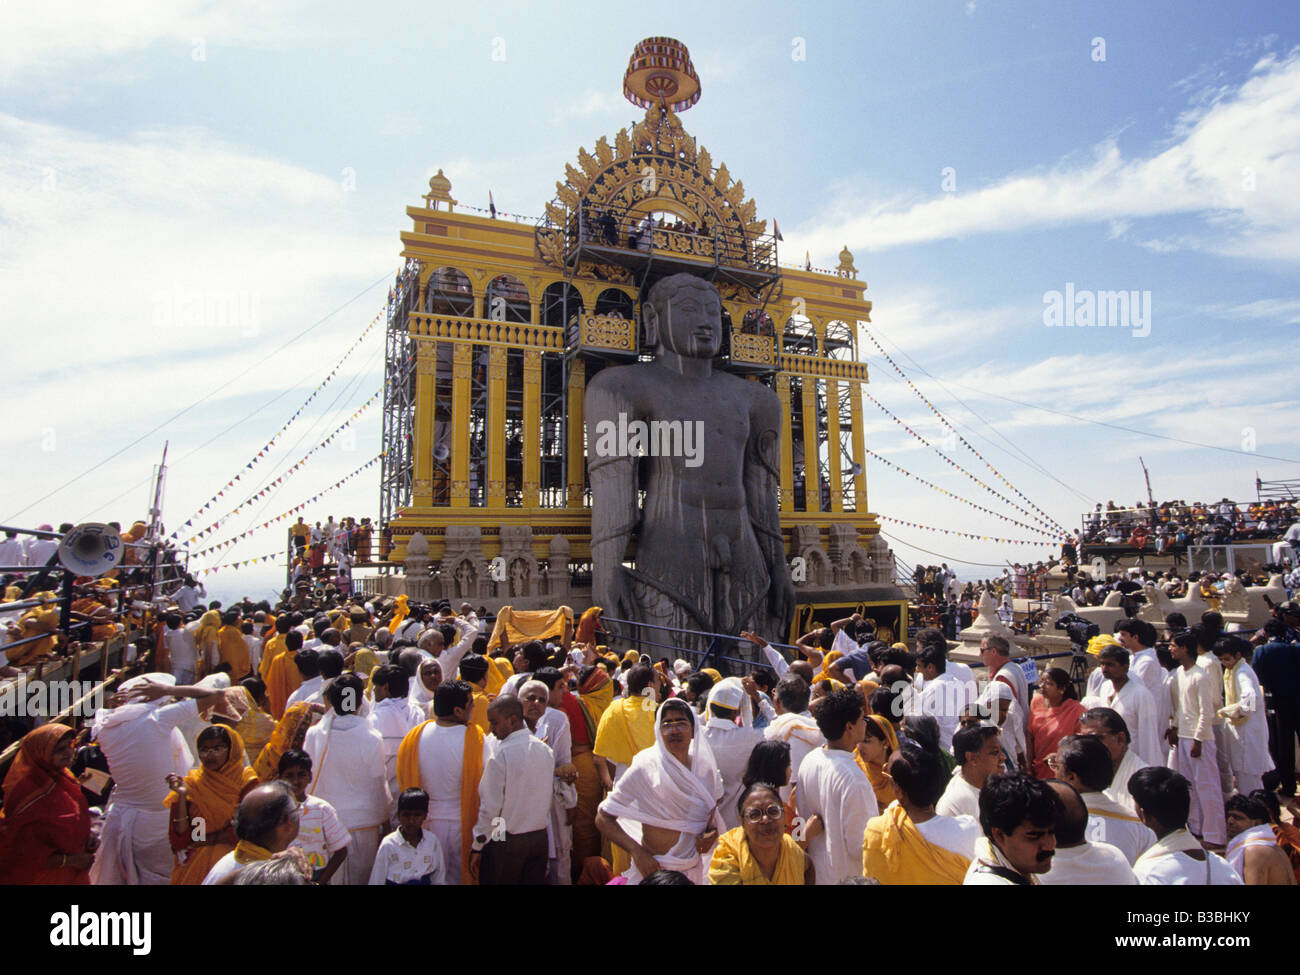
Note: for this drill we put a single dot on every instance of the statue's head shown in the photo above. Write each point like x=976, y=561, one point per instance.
x=683, y=314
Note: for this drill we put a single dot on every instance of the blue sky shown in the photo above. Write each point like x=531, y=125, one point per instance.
x=260, y=155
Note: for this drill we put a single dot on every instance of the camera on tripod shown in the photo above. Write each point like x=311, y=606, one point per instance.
x=1078, y=629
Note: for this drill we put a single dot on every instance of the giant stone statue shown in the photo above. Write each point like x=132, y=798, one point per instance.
x=709, y=554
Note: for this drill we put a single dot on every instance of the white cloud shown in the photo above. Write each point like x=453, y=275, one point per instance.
x=41, y=39
x=123, y=264
x=1233, y=159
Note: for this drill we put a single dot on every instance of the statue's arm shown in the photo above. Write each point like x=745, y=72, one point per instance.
x=613, y=492
x=762, y=482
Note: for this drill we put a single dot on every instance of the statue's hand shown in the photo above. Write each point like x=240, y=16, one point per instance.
x=781, y=597
x=610, y=592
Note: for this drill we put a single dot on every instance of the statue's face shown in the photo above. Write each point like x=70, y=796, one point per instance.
x=691, y=325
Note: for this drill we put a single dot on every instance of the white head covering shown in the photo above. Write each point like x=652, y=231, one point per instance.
x=730, y=693
x=658, y=790
x=112, y=717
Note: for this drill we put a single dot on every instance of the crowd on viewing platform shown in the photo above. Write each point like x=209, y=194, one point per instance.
x=1173, y=525
x=323, y=555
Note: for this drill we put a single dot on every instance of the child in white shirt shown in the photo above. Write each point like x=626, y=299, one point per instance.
x=411, y=855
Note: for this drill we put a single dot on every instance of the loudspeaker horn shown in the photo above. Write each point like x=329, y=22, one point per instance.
x=91, y=549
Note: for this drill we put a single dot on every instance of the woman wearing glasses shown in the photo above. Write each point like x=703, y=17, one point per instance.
x=759, y=851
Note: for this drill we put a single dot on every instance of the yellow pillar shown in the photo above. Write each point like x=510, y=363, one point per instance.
x=787, y=464
x=576, y=428
x=811, y=476
x=833, y=443
x=462, y=357
x=859, y=452
x=496, y=427
x=532, y=427
x=426, y=369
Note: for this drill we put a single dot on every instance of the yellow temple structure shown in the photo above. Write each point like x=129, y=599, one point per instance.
x=495, y=326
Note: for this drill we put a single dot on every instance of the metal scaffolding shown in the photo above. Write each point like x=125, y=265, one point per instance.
x=398, y=464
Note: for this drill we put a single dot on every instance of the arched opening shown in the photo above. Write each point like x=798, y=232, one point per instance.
x=839, y=342
x=449, y=293
x=612, y=301
x=799, y=337
x=560, y=303
x=757, y=323
x=506, y=300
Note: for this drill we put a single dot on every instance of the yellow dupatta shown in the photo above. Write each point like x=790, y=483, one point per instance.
x=734, y=864
x=626, y=727
x=895, y=852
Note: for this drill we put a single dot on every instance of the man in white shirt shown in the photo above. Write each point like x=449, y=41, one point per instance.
x=1206, y=634
x=793, y=725
x=1164, y=800
x=995, y=652
x=1131, y=700
x=348, y=772
x=1018, y=815
x=11, y=550
x=731, y=743
x=308, y=664
x=833, y=787
x=1083, y=762
x=439, y=750
x=393, y=715
x=267, y=818
x=140, y=737
x=1195, y=755
x=40, y=550
x=1077, y=861
x=1245, y=730
x=979, y=755
x=1109, y=728
x=187, y=596
x=1139, y=637
x=182, y=650
x=942, y=697
x=514, y=802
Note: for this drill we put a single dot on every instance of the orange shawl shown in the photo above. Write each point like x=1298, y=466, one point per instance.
x=895, y=852
x=471, y=770
x=290, y=732
x=213, y=798
x=881, y=783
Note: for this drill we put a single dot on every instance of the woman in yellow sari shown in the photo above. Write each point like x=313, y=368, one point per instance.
x=204, y=802
x=759, y=851
x=873, y=755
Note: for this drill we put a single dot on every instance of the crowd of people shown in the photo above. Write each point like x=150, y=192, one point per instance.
x=1173, y=525
x=323, y=555
x=348, y=742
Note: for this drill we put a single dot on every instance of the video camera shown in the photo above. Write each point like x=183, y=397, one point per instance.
x=1078, y=629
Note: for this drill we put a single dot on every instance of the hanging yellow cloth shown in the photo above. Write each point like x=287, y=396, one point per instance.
x=519, y=626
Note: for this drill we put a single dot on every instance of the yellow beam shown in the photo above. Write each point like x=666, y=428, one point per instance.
x=576, y=428
x=426, y=370
x=787, y=465
x=462, y=356
x=859, y=453
x=496, y=427
x=811, y=476
x=833, y=443
x=532, y=427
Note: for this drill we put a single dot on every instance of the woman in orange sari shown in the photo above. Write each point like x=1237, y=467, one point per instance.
x=45, y=826
x=204, y=802
x=1054, y=713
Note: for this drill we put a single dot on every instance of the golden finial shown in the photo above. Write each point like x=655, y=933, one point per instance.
x=846, y=268
x=439, y=192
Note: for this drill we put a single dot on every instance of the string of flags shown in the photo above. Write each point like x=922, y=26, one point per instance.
x=287, y=514
x=952, y=463
x=257, y=495
x=953, y=531
x=238, y=565
x=964, y=442
x=266, y=448
x=956, y=497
